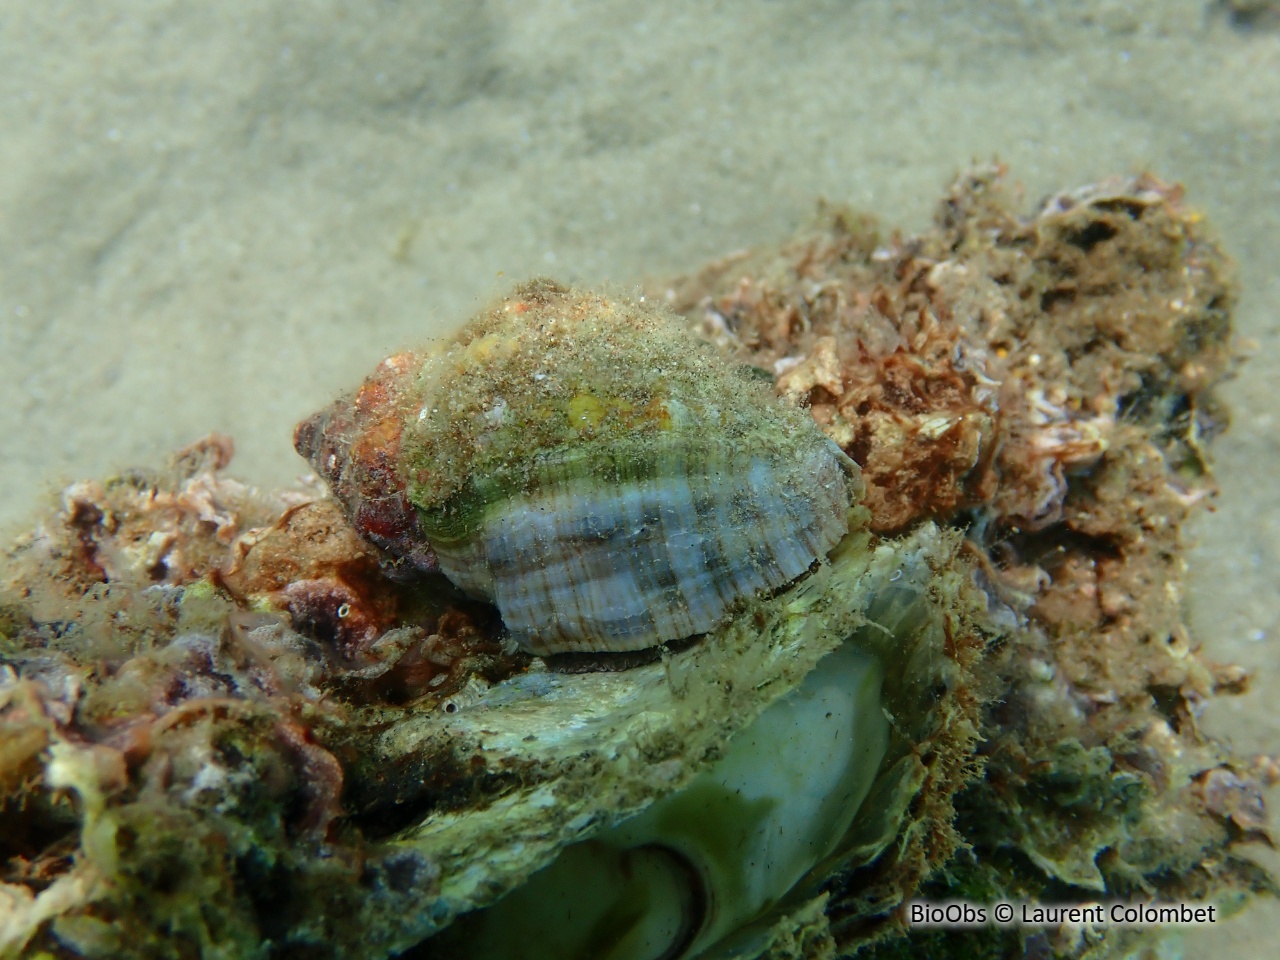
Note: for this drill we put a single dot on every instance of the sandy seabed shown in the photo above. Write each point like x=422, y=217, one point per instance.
x=217, y=216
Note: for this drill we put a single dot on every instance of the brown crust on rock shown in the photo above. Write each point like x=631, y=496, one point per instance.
x=1048, y=383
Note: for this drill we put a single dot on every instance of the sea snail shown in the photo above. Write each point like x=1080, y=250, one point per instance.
x=587, y=466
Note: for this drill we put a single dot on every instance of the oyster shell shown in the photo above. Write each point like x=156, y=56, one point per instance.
x=713, y=855
x=624, y=762
x=589, y=468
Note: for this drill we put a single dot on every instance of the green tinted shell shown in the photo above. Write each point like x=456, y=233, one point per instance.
x=607, y=481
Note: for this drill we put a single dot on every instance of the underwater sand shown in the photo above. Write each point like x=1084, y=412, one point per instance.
x=218, y=216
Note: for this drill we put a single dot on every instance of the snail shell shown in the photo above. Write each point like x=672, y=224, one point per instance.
x=590, y=468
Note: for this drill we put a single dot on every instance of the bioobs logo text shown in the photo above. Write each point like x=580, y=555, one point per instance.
x=958, y=914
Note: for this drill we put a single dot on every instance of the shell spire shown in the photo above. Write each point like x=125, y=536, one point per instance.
x=354, y=444
x=589, y=467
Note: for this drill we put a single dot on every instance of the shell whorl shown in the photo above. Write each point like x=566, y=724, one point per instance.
x=655, y=554
x=594, y=471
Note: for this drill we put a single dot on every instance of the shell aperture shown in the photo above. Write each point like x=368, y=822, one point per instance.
x=590, y=468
